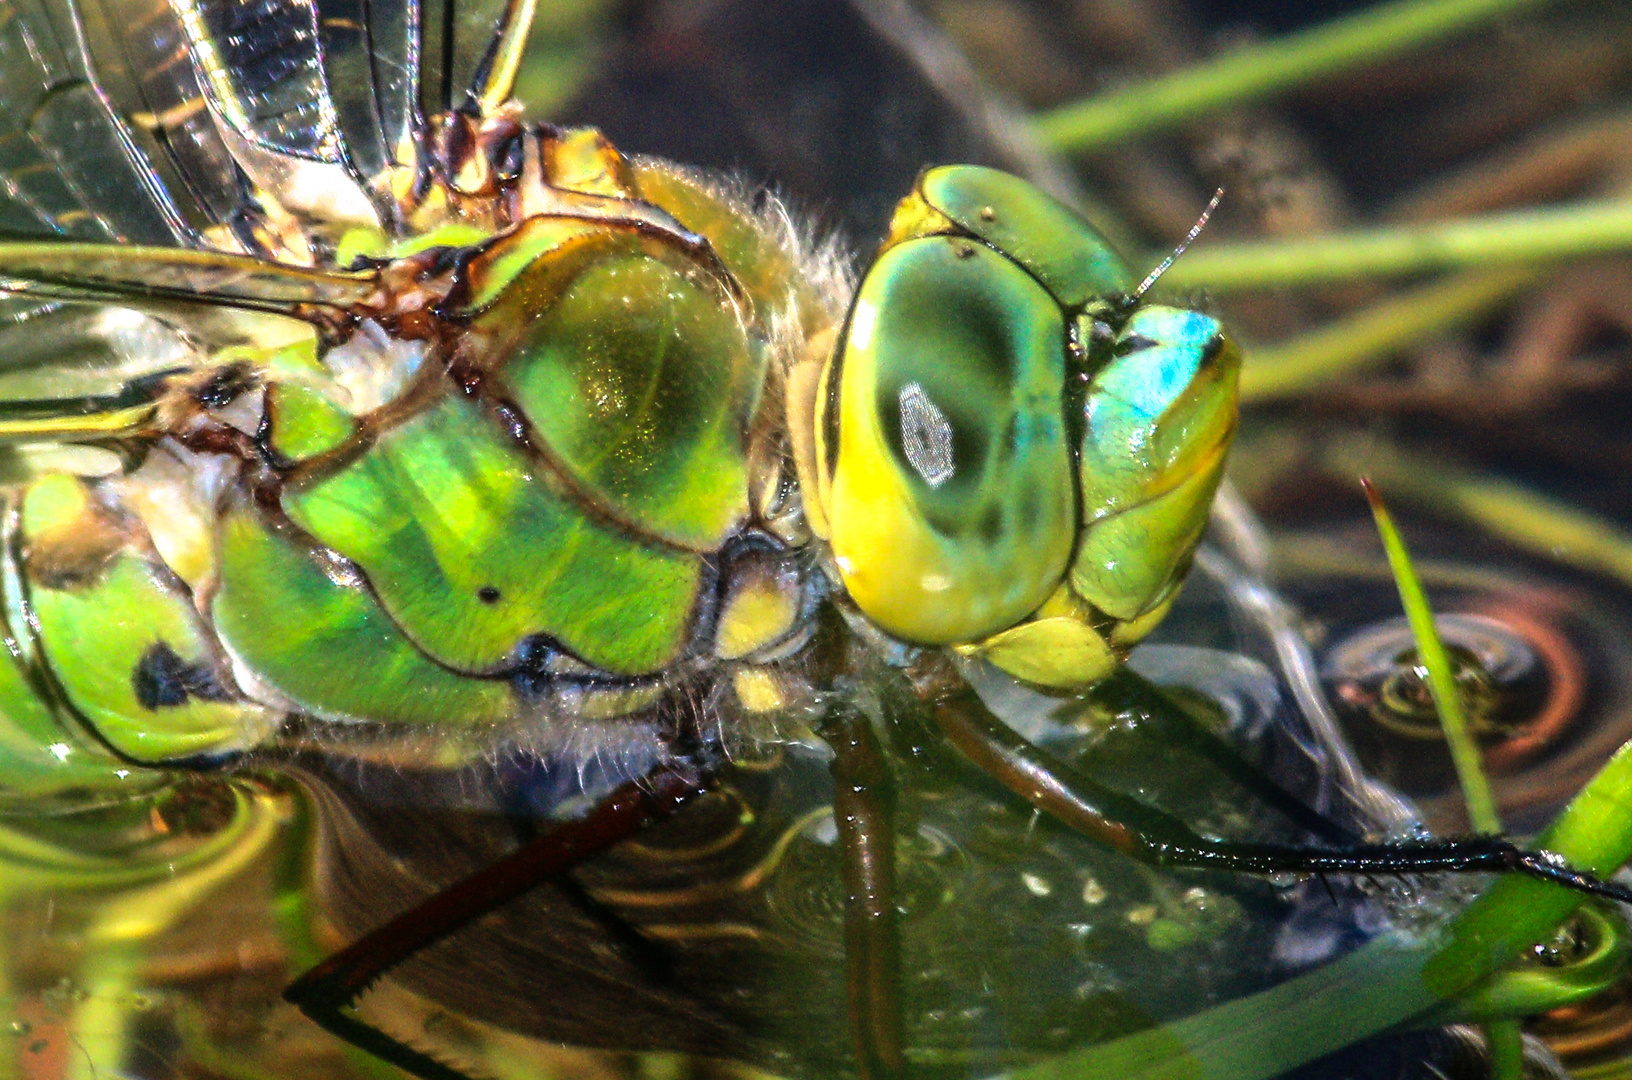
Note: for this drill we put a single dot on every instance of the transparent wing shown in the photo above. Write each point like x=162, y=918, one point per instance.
x=152, y=121
x=314, y=98
x=70, y=164
x=77, y=271
x=148, y=140
x=461, y=64
x=77, y=370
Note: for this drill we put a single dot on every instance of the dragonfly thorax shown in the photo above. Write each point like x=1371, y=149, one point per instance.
x=573, y=487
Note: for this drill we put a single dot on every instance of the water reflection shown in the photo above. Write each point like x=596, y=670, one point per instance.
x=718, y=934
x=152, y=939
x=1547, y=653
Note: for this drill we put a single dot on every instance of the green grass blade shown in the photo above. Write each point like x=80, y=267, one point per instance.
x=1484, y=242
x=1252, y=73
x=1432, y=656
x=1520, y=515
x=1366, y=338
x=1505, y=1037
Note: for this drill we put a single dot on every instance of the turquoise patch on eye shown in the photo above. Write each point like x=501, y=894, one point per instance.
x=1147, y=380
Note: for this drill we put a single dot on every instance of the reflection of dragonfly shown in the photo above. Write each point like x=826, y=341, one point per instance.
x=333, y=366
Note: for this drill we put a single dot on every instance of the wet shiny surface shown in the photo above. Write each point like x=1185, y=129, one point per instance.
x=203, y=995
x=1020, y=939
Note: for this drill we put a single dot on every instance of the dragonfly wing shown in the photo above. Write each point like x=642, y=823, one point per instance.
x=157, y=122
x=262, y=72
x=78, y=271
x=316, y=100
x=149, y=148
x=70, y=164
x=468, y=49
x=67, y=372
x=83, y=350
x=369, y=51
x=68, y=368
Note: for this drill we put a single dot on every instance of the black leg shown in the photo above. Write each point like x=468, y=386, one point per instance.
x=863, y=807
x=1150, y=835
x=327, y=990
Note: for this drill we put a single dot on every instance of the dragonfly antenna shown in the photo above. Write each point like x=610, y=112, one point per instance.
x=1195, y=231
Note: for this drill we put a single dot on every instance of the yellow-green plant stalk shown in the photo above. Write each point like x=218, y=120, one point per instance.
x=1434, y=662
x=1505, y=1036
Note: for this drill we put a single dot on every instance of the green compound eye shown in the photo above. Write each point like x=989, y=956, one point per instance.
x=950, y=494
x=957, y=513
x=1159, y=417
x=1054, y=244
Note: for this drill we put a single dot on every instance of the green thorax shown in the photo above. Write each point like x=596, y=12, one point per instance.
x=533, y=473
x=570, y=449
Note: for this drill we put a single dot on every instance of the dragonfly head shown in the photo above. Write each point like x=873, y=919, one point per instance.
x=1015, y=457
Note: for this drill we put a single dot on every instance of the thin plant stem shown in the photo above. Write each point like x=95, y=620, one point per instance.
x=1249, y=74
x=1548, y=527
x=1506, y=1050
x=1505, y=1037
x=1483, y=242
x=1372, y=335
x=1436, y=663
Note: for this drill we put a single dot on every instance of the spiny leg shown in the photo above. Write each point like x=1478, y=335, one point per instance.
x=1127, y=825
x=863, y=809
x=327, y=990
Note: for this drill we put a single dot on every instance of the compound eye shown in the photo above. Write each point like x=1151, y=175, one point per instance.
x=1159, y=417
x=949, y=487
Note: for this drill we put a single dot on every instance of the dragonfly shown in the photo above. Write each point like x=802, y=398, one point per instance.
x=351, y=406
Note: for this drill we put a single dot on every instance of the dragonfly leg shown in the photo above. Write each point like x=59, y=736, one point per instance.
x=326, y=991
x=1150, y=835
x=863, y=808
